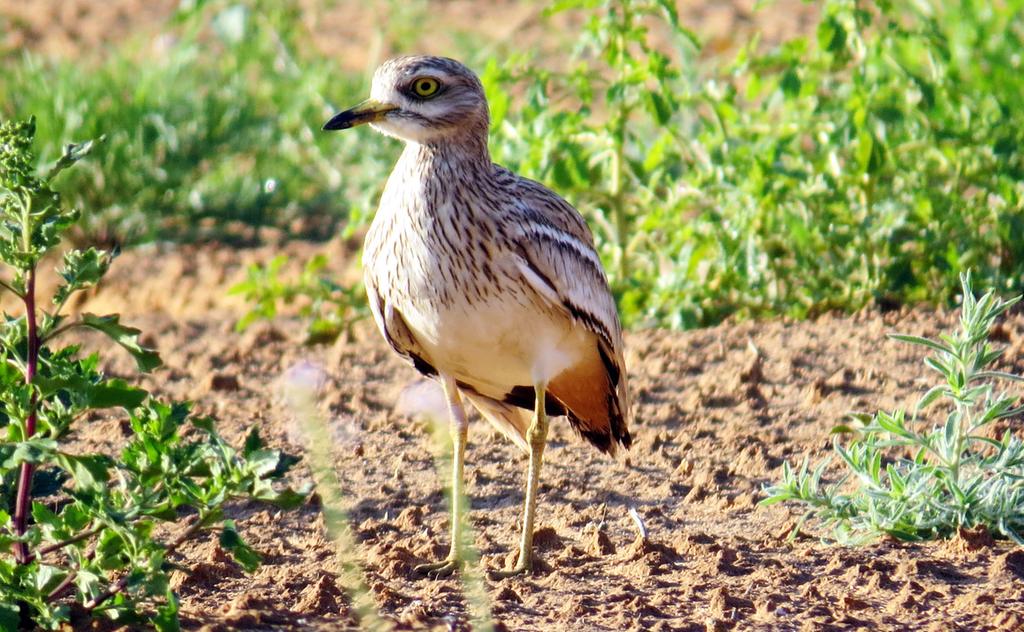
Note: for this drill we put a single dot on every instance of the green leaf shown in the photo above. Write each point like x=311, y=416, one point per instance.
x=925, y=342
x=127, y=337
x=35, y=450
x=252, y=442
x=998, y=375
x=929, y=397
x=10, y=618
x=75, y=516
x=116, y=393
x=231, y=541
x=939, y=366
x=893, y=424
x=790, y=83
x=164, y=511
x=166, y=619
x=831, y=35
x=73, y=152
x=47, y=577
x=775, y=499
x=284, y=499
x=89, y=583
x=263, y=462
x=109, y=550
x=91, y=472
x=42, y=515
x=82, y=269
x=106, y=394
x=865, y=148
x=659, y=106
x=950, y=431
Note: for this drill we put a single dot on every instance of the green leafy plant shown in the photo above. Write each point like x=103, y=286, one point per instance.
x=330, y=309
x=919, y=476
x=869, y=163
x=88, y=533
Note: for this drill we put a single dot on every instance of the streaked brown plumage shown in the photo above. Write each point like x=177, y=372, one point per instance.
x=486, y=280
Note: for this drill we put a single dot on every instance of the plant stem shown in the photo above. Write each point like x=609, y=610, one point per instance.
x=302, y=400
x=62, y=588
x=964, y=421
x=10, y=288
x=23, y=501
x=50, y=335
x=84, y=535
x=619, y=141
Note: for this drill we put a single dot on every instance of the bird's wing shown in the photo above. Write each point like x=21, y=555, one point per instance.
x=556, y=255
x=555, y=210
x=391, y=324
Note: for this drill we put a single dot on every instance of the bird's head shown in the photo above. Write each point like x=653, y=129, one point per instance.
x=421, y=100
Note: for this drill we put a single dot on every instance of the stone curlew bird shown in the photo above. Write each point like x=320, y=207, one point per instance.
x=486, y=281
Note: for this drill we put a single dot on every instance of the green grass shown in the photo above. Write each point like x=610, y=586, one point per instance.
x=870, y=163
x=215, y=136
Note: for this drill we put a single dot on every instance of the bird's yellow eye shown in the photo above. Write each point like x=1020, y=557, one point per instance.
x=425, y=86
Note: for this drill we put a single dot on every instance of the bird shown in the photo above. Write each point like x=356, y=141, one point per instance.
x=486, y=281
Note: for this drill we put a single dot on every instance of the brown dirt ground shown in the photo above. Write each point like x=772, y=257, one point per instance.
x=717, y=411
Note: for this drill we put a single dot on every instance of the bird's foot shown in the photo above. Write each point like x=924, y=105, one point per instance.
x=522, y=567
x=437, y=570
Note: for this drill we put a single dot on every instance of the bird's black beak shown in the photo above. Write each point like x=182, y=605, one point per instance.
x=366, y=112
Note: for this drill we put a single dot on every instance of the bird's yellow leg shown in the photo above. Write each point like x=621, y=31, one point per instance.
x=459, y=428
x=536, y=436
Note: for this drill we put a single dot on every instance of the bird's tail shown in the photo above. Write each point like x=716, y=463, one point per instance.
x=595, y=396
x=511, y=420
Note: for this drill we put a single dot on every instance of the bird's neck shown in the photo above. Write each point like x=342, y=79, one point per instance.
x=448, y=159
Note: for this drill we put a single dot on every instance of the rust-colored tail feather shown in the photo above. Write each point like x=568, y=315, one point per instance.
x=592, y=393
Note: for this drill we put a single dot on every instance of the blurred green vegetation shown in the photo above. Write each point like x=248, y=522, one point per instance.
x=869, y=163
x=872, y=162
x=211, y=129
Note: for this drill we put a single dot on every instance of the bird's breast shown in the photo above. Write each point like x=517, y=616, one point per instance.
x=463, y=298
x=431, y=258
